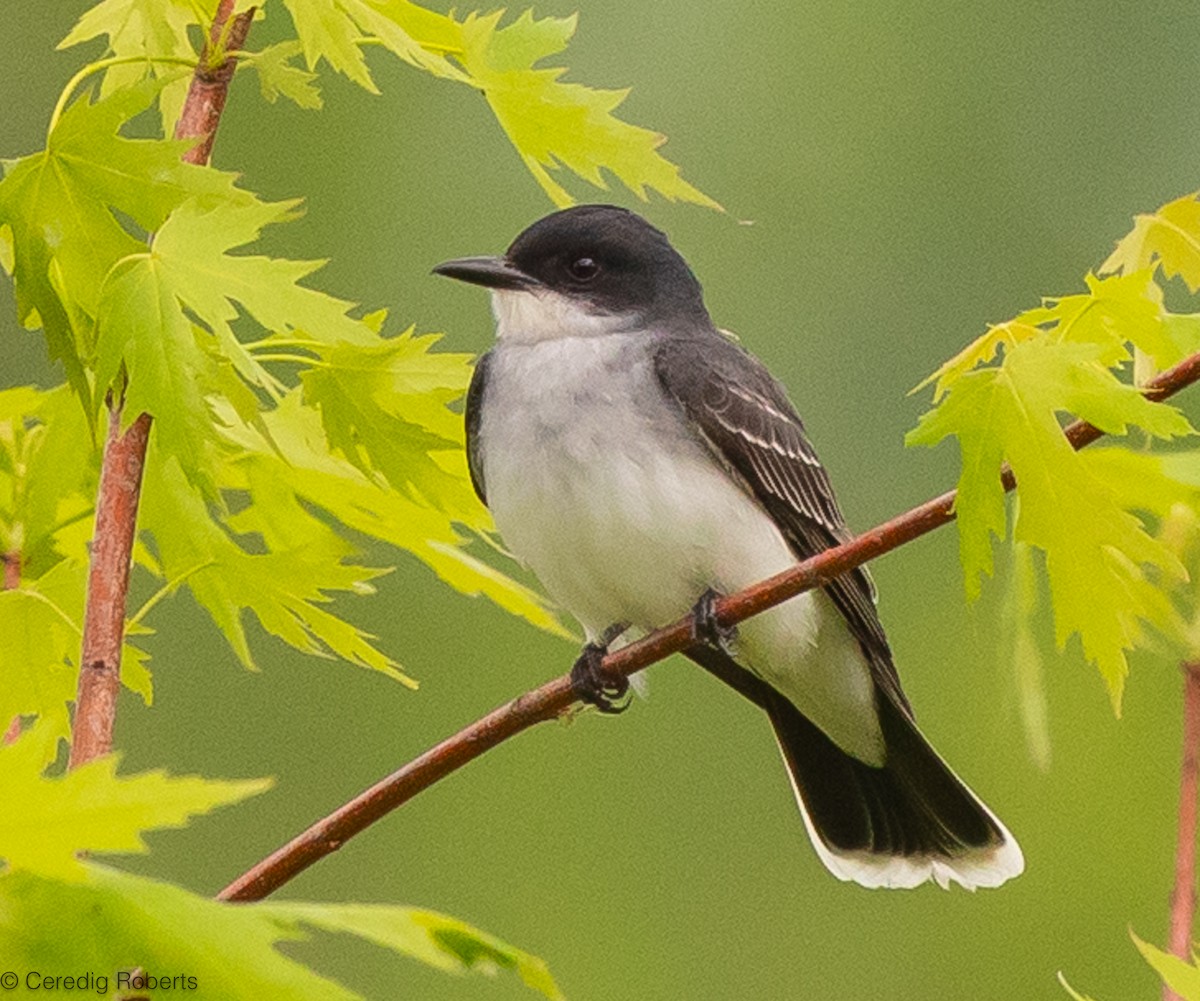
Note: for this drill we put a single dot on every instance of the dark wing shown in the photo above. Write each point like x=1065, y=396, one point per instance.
x=743, y=414
x=473, y=415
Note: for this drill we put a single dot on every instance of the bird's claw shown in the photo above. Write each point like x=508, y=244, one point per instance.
x=608, y=693
x=707, y=629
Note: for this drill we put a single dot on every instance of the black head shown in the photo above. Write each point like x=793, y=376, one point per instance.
x=606, y=257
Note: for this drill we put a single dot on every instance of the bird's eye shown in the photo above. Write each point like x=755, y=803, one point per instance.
x=584, y=269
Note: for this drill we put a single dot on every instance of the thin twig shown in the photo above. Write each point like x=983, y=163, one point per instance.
x=1183, y=897
x=125, y=459
x=555, y=697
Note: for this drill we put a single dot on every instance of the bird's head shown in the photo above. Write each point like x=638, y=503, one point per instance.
x=588, y=270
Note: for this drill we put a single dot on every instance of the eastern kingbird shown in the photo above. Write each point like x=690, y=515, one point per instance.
x=640, y=462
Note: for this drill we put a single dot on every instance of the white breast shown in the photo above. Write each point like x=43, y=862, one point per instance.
x=597, y=484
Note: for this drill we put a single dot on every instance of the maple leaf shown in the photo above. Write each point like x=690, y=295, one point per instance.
x=284, y=587
x=277, y=77
x=229, y=951
x=35, y=662
x=48, y=472
x=146, y=28
x=551, y=122
x=91, y=809
x=1095, y=549
x=1180, y=976
x=332, y=30
x=979, y=352
x=1115, y=311
x=298, y=461
x=1170, y=237
x=60, y=205
x=152, y=301
x=384, y=416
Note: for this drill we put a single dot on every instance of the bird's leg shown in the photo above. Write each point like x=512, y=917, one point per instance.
x=705, y=627
x=588, y=680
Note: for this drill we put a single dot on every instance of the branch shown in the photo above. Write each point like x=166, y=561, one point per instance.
x=555, y=697
x=11, y=581
x=1183, y=897
x=125, y=453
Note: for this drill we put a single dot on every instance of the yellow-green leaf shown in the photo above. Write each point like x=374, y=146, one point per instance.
x=1170, y=237
x=551, y=122
x=142, y=28
x=1178, y=974
x=1096, y=550
x=91, y=808
x=207, y=949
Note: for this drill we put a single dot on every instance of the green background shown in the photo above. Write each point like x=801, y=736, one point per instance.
x=911, y=172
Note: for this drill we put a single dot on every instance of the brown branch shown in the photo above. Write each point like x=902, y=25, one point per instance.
x=108, y=583
x=125, y=453
x=1183, y=897
x=12, y=581
x=12, y=570
x=555, y=697
x=210, y=83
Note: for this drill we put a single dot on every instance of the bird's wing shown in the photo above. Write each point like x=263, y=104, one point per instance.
x=744, y=416
x=473, y=416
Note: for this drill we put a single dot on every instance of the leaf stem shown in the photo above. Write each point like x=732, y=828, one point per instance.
x=444, y=50
x=164, y=591
x=104, y=64
x=284, y=342
x=296, y=359
x=555, y=697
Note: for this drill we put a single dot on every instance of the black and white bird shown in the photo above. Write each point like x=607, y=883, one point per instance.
x=640, y=462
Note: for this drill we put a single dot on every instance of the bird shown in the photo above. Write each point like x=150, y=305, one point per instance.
x=642, y=463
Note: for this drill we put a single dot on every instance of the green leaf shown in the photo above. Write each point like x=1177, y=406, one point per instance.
x=979, y=352
x=35, y=663
x=1095, y=549
x=92, y=809
x=142, y=28
x=1021, y=606
x=60, y=205
x=277, y=77
x=61, y=471
x=436, y=939
x=1179, y=975
x=48, y=466
x=418, y=36
x=1076, y=996
x=384, y=408
x=1115, y=310
x=299, y=461
x=119, y=922
x=284, y=587
x=551, y=122
x=333, y=30
x=327, y=32
x=1170, y=237
x=150, y=304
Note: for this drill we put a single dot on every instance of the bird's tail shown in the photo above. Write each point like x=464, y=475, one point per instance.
x=904, y=823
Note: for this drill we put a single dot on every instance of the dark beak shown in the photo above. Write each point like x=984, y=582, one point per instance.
x=490, y=272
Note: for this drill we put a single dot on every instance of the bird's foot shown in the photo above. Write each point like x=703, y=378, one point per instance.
x=707, y=629
x=608, y=693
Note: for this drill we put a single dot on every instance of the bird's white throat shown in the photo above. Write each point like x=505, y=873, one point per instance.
x=542, y=315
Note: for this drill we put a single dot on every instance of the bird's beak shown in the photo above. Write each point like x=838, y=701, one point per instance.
x=491, y=272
